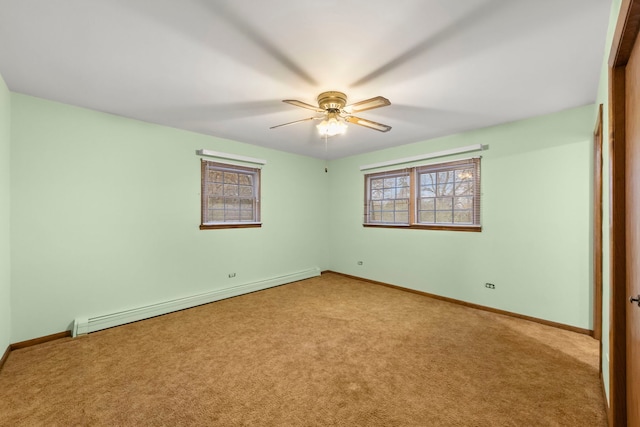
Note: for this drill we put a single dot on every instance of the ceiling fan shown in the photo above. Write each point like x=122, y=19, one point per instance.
x=336, y=113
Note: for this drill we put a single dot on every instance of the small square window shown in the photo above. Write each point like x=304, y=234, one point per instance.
x=230, y=196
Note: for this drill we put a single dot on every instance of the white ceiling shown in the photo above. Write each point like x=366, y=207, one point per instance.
x=222, y=67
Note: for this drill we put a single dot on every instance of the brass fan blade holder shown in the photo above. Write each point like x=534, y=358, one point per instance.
x=332, y=100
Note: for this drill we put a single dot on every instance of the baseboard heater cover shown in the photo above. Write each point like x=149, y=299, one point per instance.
x=85, y=325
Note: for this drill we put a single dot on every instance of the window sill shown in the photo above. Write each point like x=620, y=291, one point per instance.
x=471, y=228
x=231, y=225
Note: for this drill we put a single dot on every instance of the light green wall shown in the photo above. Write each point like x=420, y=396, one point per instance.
x=534, y=245
x=5, y=199
x=106, y=212
x=603, y=98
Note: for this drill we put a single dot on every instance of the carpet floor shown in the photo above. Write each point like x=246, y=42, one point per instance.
x=328, y=351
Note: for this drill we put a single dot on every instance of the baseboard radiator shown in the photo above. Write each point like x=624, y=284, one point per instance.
x=85, y=325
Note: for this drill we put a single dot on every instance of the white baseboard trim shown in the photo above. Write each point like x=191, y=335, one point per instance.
x=85, y=325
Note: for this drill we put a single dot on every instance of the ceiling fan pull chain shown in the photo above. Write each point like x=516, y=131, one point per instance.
x=326, y=155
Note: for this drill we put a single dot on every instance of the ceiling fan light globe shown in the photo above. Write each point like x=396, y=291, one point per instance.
x=331, y=127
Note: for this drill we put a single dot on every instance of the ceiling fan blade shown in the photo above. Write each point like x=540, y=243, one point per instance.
x=303, y=105
x=367, y=104
x=297, y=121
x=368, y=123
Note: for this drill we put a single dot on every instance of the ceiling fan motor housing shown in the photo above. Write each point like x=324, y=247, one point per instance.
x=332, y=100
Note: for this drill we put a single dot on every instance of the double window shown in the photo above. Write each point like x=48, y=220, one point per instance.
x=230, y=196
x=438, y=196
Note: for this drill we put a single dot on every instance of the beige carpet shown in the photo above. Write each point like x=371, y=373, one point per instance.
x=328, y=351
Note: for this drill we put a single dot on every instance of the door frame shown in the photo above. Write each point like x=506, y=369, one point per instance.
x=624, y=38
x=597, y=233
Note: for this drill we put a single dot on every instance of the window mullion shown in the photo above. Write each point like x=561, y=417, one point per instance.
x=413, y=204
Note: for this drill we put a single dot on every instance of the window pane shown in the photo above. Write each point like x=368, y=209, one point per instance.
x=445, y=176
x=464, y=188
x=214, y=176
x=246, y=215
x=387, y=217
x=444, y=203
x=464, y=175
x=444, y=217
x=232, y=203
x=244, y=179
x=427, y=178
x=402, y=205
x=427, y=217
x=389, y=182
x=230, y=178
x=428, y=191
x=444, y=189
x=463, y=217
x=215, y=189
x=230, y=190
x=389, y=199
x=215, y=216
x=463, y=203
x=402, y=193
x=245, y=191
x=388, y=205
x=232, y=215
x=427, y=204
x=402, y=217
x=215, y=203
